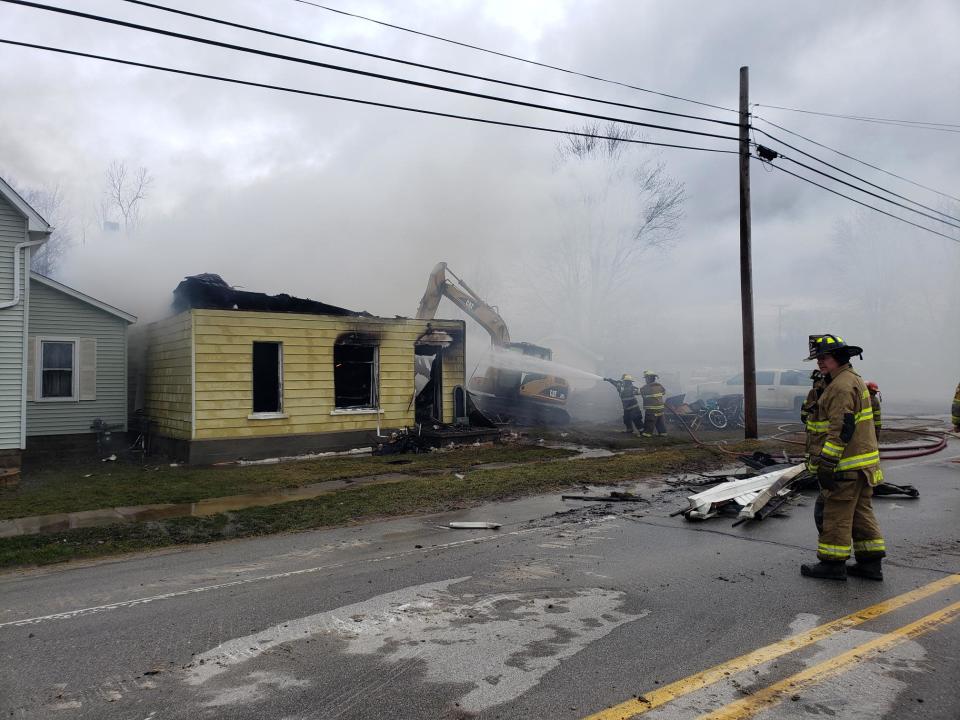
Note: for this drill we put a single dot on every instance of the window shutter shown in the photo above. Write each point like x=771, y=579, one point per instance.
x=87, y=387
x=31, y=368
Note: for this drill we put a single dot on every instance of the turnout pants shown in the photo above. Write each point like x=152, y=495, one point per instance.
x=653, y=420
x=845, y=521
x=633, y=418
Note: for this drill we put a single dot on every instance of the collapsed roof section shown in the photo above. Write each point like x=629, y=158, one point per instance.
x=209, y=291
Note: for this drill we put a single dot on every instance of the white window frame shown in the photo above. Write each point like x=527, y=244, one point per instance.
x=279, y=414
x=38, y=369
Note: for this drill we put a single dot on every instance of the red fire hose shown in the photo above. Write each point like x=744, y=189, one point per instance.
x=937, y=442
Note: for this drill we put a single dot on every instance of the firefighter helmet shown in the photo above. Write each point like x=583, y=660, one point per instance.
x=826, y=344
x=650, y=373
x=873, y=387
x=816, y=375
x=626, y=377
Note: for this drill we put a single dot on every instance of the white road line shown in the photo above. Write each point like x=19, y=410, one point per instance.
x=70, y=614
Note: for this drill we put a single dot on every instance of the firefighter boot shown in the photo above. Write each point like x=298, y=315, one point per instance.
x=869, y=569
x=825, y=570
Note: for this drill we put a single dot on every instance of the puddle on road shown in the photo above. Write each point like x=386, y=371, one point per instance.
x=583, y=451
x=141, y=513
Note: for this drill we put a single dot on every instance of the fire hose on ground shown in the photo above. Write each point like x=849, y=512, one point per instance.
x=937, y=442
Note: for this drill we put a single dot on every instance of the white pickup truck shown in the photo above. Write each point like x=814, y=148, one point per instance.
x=776, y=389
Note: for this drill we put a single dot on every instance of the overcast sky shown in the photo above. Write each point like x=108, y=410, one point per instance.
x=353, y=205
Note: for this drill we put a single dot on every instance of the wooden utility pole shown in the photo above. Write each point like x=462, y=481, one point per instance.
x=746, y=266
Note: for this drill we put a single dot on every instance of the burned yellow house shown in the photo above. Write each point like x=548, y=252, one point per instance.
x=237, y=374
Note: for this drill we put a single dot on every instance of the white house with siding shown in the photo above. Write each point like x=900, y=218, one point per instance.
x=62, y=353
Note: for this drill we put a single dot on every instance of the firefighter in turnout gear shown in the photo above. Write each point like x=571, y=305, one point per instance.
x=955, y=410
x=632, y=416
x=653, y=393
x=845, y=457
x=875, y=399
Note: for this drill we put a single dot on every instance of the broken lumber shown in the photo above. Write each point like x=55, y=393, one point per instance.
x=707, y=504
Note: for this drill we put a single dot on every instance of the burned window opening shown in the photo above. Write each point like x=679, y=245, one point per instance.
x=355, y=376
x=267, y=377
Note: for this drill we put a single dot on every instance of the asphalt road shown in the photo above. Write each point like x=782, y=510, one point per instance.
x=553, y=616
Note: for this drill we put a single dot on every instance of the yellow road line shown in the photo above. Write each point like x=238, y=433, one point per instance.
x=667, y=693
x=770, y=696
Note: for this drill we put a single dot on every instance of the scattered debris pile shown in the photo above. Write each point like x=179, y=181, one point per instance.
x=761, y=491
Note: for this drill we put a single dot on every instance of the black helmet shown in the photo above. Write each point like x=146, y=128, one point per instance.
x=816, y=375
x=827, y=344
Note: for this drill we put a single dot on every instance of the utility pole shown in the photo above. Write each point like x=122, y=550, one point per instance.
x=746, y=267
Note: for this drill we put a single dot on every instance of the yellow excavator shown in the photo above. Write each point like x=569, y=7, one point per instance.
x=505, y=394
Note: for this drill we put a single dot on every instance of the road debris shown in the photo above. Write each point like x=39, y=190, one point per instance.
x=750, y=494
x=474, y=526
x=612, y=497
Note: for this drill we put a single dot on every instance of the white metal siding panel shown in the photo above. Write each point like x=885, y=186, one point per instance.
x=57, y=314
x=13, y=230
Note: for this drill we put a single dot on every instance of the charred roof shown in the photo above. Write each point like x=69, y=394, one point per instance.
x=209, y=291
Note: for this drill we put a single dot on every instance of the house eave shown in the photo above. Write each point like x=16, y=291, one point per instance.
x=82, y=297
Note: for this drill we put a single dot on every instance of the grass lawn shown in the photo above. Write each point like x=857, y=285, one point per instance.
x=57, y=487
x=419, y=494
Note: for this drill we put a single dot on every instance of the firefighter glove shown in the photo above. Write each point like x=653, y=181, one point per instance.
x=826, y=475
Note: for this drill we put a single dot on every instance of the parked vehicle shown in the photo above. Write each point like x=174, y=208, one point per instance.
x=783, y=390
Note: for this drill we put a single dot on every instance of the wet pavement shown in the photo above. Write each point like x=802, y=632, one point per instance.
x=567, y=610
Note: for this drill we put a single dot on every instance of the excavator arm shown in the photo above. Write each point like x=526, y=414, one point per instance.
x=464, y=298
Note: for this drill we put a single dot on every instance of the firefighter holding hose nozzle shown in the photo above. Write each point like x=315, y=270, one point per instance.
x=632, y=415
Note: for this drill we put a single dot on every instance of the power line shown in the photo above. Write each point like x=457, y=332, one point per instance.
x=858, y=202
x=514, y=57
x=356, y=71
x=866, y=182
x=916, y=124
x=358, y=101
x=868, y=192
x=409, y=63
x=857, y=160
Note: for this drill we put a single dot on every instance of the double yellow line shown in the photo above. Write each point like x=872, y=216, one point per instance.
x=763, y=699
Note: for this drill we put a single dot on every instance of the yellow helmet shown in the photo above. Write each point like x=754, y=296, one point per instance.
x=627, y=376
x=649, y=373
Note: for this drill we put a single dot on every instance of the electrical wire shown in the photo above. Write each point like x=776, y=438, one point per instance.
x=410, y=63
x=855, y=159
x=866, y=182
x=359, y=101
x=363, y=73
x=866, y=192
x=916, y=124
x=514, y=57
x=858, y=202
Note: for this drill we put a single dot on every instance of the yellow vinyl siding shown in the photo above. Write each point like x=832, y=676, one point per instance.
x=168, y=392
x=223, y=342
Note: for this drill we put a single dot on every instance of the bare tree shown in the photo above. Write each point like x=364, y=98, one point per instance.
x=124, y=193
x=618, y=203
x=50, y=201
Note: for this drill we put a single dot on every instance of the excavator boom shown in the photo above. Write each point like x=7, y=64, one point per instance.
x=464, y=298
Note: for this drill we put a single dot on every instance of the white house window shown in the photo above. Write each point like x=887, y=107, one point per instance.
x=355, y=377
x=57, y=369
x=267, y=378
